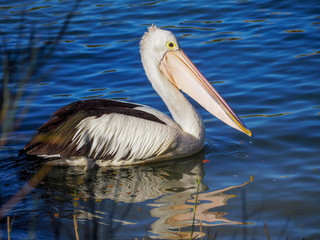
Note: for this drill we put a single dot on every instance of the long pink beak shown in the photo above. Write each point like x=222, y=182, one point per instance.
x=183, y=74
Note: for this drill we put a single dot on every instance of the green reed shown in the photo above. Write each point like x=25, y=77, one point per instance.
x=195, y=208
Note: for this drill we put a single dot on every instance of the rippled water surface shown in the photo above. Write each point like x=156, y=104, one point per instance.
x=262, y=56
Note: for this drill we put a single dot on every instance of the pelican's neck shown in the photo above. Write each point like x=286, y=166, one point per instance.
x=182, y=111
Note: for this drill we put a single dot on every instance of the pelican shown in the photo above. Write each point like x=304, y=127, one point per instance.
x=108, y=132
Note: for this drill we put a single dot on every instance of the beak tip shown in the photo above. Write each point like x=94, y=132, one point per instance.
x=248, y=132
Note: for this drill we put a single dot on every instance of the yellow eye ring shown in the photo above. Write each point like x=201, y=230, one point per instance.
x=171, y=45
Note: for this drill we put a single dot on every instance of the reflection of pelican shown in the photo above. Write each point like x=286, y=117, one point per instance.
x=177, y=213
x=111, y=201
x=131, y=184
x=117, y=133
x=160, y=197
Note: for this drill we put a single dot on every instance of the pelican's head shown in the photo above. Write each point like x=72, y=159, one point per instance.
x=161, y=47
x=156, y=42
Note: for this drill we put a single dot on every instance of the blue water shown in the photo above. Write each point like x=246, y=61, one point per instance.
x=262, y=56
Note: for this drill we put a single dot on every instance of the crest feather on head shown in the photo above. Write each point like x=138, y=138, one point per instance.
x=151, y=29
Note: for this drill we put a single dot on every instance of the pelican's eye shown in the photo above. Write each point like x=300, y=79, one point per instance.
x=171, y=45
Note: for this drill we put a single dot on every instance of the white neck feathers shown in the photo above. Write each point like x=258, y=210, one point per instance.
x=184, y=114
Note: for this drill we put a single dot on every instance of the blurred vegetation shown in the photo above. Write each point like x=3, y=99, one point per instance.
x=21, y=68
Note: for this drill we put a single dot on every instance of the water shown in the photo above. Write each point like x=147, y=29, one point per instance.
x=262, y=56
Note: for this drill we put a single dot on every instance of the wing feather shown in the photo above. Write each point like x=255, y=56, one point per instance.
x=124, y=137
x=105, y=130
